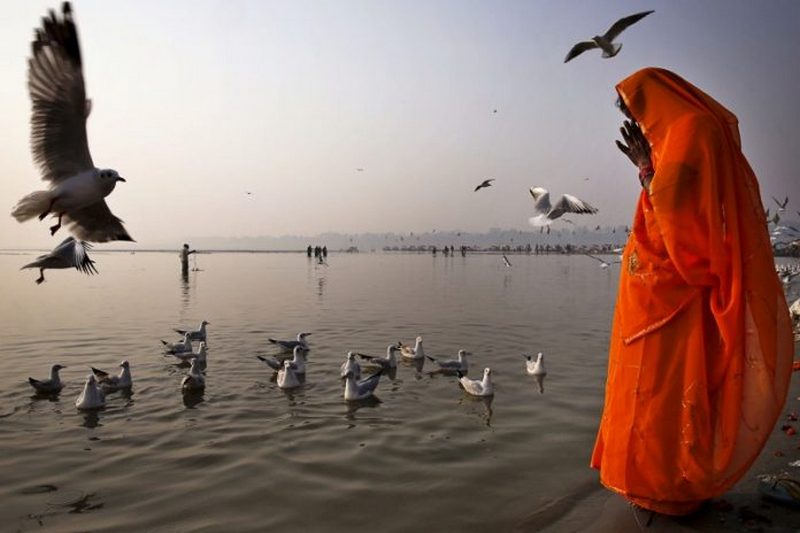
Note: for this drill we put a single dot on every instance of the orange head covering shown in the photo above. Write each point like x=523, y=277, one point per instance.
x=699, y=235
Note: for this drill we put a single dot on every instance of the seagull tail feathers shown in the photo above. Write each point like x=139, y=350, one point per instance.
x=431, y=358
x=32, y=205
x=30, y=265
x=165, y=343
x=273, y=341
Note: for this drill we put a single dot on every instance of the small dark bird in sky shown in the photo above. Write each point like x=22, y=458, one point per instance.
x=486, y=183
x=605, y=42
x=495, y=111
x=781, y=205
x=360, y=170
x=248, y=193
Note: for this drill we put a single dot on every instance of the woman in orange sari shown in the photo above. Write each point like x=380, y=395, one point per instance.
x=701, y=346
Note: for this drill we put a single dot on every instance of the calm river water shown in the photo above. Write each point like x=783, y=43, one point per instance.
x=247, y=456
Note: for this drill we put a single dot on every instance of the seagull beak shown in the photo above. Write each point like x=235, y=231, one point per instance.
x=120, y=178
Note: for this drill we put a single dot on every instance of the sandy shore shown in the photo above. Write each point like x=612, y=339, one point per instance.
x=589, y=507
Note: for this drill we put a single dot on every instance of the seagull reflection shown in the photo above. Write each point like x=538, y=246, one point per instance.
x=91, y=418
x=418, y=364
x=486, y=415
x=353, y=406
x=193, y=398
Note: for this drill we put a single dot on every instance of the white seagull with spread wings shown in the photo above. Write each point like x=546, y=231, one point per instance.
x=58, y=139
x=546, y=213
x=605, y=42
x=69, y=254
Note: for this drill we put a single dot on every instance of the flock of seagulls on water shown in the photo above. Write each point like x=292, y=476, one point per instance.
x=290, y=369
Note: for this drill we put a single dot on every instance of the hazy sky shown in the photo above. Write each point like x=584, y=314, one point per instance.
x=196, y=102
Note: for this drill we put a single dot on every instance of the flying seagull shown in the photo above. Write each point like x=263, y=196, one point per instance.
x=781, y=205
x=58, y=139
x=486, y=183
x=70, y=253
x=605, y=42
x=546, y=213
x=603, y=264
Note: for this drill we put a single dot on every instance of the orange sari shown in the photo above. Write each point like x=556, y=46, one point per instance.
x=701, y=346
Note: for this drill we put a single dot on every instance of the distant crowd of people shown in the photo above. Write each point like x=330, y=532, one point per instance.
x=317, y=251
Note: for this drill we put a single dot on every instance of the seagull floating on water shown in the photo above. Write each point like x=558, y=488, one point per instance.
x=290, y=345
x=417, y=352
x=485, y=183
x=388, y=362
x=298, y=361
x=123, y=380
x=546, y=213
x=52, y=385
x=288, y=376
x=359, y=390
x=453, y=365
x=535, y=367
x=174, y=348
x=91, y=397
x=58, y=139
x=194, y=380
x=605, y=42
x=201, y=354
x=69, y=254
x=477, y=387
x=198, y=334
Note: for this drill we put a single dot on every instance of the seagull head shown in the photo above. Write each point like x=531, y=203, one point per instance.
x=487, y=372
x=287, y=364
x=110, y=175
x=462, y=353
x=205, y=323
x=125, y=364
x=58, y=367
x=351, y=356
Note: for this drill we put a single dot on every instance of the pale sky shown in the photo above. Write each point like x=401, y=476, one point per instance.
x=196, y=102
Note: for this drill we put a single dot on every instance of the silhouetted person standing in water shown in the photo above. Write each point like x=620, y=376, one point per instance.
x=309, y=251
x=185, y=253
x=324, y=251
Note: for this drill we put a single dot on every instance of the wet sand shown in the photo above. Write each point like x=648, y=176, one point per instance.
x=591, y=508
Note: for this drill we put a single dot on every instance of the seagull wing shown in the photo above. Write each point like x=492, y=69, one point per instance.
x=620, y=25
x=570, y=204
x=369, y=384
x=96, y=223
x=541, y=199
x=578, y=49
x=99, y=374
x=80, y=258
x=60, y=108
